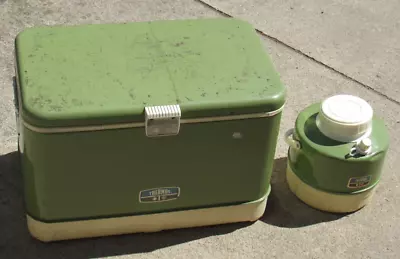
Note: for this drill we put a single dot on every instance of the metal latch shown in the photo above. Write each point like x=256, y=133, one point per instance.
x=162, y=120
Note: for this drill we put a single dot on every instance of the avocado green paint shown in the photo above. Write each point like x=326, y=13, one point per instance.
x=100, y=174
x=325, y=164
x=103, y=74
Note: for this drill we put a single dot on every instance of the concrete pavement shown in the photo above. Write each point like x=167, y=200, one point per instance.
x=357, y=38
x=288, y=229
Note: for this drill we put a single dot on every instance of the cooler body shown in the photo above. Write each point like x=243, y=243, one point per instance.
x=85, y=175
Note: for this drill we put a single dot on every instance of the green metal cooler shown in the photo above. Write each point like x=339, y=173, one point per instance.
x=145, y=126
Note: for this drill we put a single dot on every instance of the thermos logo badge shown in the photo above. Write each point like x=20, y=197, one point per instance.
x=159, y=194
x=358, y=182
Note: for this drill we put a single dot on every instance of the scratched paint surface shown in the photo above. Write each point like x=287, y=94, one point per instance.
x=68, y=74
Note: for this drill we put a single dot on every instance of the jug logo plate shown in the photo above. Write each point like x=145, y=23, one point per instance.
x=358, y=182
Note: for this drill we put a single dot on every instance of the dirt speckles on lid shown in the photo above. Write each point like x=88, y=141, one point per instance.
x=178, y=44
x=118, y=81
x=56, y=108
x=132, y=94
x=76, y=102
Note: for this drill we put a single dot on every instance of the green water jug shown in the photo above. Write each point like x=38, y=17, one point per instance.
x=336, y=153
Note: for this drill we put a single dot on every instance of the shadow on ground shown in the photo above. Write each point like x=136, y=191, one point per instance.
x=283, y=210
x=16, y=242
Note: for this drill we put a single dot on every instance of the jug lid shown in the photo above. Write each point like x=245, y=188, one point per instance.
x=345, y=118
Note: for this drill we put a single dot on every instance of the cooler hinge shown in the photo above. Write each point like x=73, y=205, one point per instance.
x=162, y=120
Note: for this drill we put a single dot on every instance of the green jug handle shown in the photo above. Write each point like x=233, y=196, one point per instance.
x=290, y=140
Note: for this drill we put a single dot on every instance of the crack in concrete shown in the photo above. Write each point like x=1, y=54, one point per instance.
x=307, y=56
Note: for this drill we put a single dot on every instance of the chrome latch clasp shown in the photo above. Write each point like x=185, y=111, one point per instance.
x=162, y=120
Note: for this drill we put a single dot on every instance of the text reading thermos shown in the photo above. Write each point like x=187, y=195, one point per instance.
x=336, y=154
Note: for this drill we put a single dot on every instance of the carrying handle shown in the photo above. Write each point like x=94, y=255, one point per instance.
x=290, y=140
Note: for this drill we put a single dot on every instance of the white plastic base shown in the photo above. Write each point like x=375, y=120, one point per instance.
x=325, y=201
x=47, y=232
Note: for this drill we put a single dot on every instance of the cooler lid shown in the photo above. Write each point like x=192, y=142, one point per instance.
x=108, y=74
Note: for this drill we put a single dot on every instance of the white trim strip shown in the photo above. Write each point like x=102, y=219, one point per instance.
x=233, y=117
x=142, y=124
x=83, y=128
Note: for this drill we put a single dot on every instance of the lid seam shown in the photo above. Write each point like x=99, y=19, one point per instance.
x=142, y=124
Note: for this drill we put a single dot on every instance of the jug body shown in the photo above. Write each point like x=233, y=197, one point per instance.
x=336, y=168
